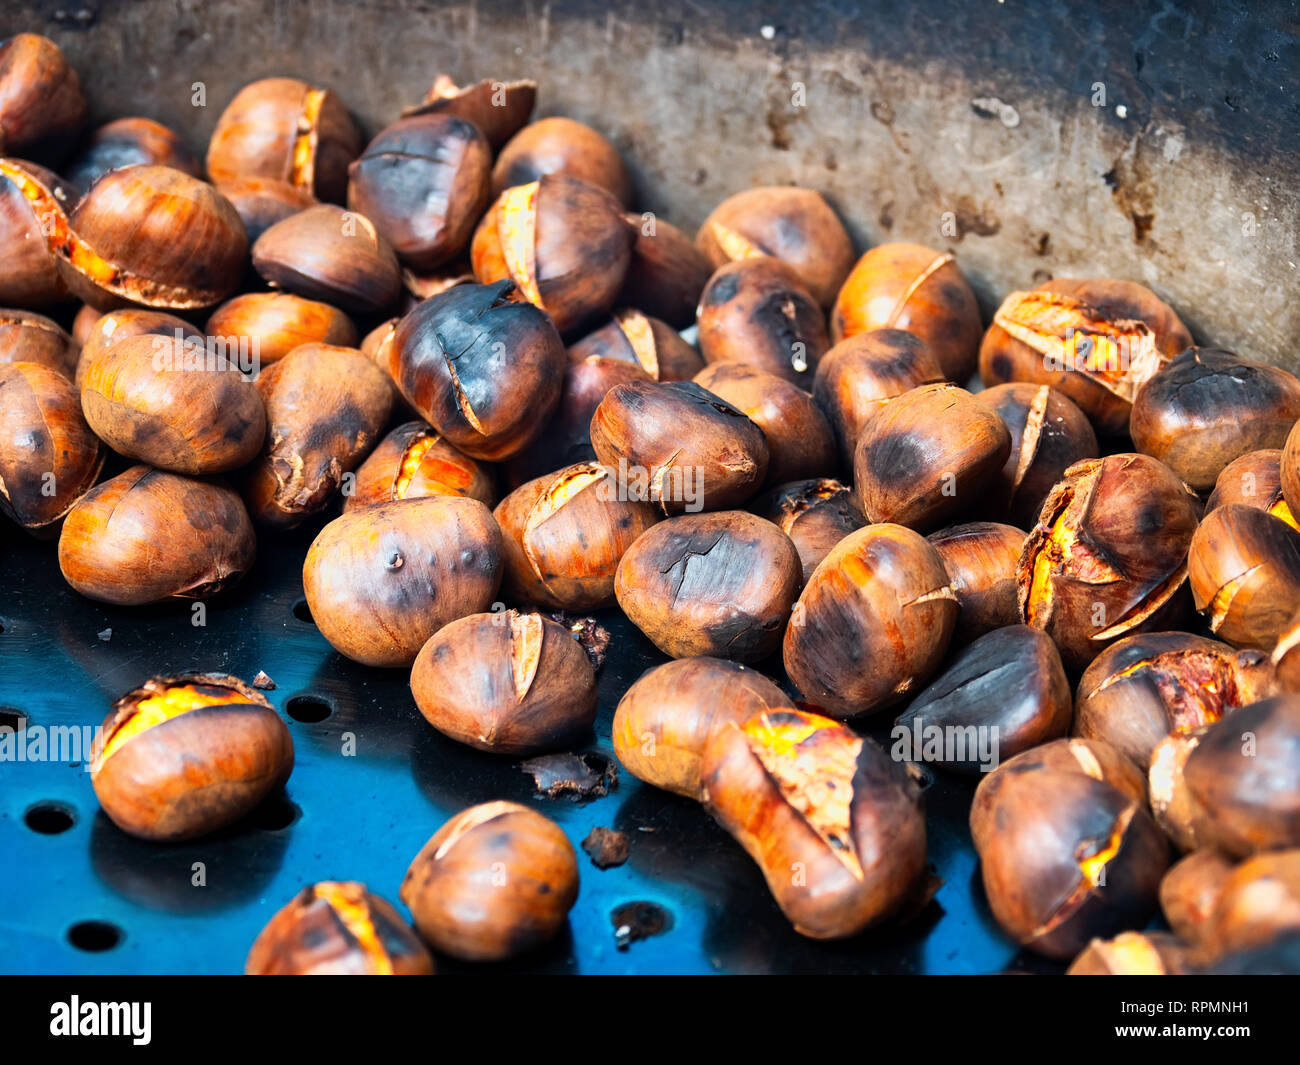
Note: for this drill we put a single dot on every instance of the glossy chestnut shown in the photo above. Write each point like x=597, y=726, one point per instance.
x=1291, y=470
x=632, y=336
x=42, y=108
x=277, y=322
x=34, y=202
x=130, y=142
x=816, y=514
x=981, y=559
x=1254, y=480
x=498, y=108
x=666, y=274
x=560, y=146
x=29, y=337
x=115, y=326
x=261, y=202
x=414, y=461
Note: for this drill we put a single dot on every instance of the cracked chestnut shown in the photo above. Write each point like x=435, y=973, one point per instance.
x=34, y=202
x=499, y=108
x=1254, y=480
x=632, y=336
x=130, y=142
x=560, y=146
x=414, y=461
x=29, y=337
x=816, y=514
x=42, y=108
x=666, y=274
x=981, y=559
x=274, y=323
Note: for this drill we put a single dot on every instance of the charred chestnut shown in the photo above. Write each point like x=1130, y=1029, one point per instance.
x=1190, y=892
x=679, y=445
x=816, y=514
x=711, y=584
x=29, y=337
x=834, y=824
x=927, y=455
x=41, y=105
x=337, y=929
x=1135, y=954
x=873, y=622
x=130, y=142
x=414, y=461
x=563, y=536
x=665, y=719
x=1108, y=557
x=757, y=311
x=562, y=147
x=277, y=322
x=33, y=204
x=496, y=880
x=799, y=440
x=482, y=368
x=423, y=181
x=649, y=343
x=179, y=757
x=1254, y=480
x=498, y=108
x=981, y=559
x=916, y=289
x=667, y=272
x=1096, y=340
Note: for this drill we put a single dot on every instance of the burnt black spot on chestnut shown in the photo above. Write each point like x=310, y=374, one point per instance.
x=1002, y=370
x=898, y=459
x=720, y=291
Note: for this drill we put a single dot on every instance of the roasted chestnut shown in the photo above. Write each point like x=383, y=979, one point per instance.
x=498, y=108
x=679, y=446
x=799, y=439
x=509, y=683
x=84, y=322
x=284, y=130
x=834, y=825
x=325, y=410
x=261, y=202
x=146, y=535
x=337, y=929
x=667, y=272
x=29, y=337
x=981, y=560
x=816, y=514
x=757, y=311
x=1139, y=690
x=560, y=146
x=1108, y=557
x=277, y=322
x=33, y=204
x=1258, y=901
x=49, y=458
x=1135, y=954
x=423, y=181
x=563, y=536
x=857, y=376
x=1244, y=569
x=1067, y=852
x=649, y=343
x=130, y=142
x=1049, y=434
x=664, y=720
x=1291, y=470
x=1286, y=655
x=116, y=326
x=1190, y=892
x=916, y=289
x=1177, y=811
x=482, y=368
x=565, y=245
x=41, y=106
x=711, y=584
x=1209, y=407
x=873, y=622
x=381, y=580
x=1254, y=480
x=413, y=461
x=179, y=757
x=1096, y=340
x=329, y=254
x=174, y=404
x=928, y=455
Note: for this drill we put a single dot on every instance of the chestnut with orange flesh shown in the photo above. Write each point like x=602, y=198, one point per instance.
x=326, y=253
x=1065, y=856
x=1254, y=480
x=756, y=310
x=928, y=455
x=666, y=274
x=1190, y=890
x=499, y=108
x=180, y=757
x=802, y=792
x=792, y=224
x=565, y=245
x=131, y=142
x=859, y=374
x=816, y=514
x=799, y=439
x=1244, y=569
x=146, y=535
x=509, y=683
x=414, y=461
x=687, y=447
x=1096, y=340
x=116, y=326
x=563, y=536
x=381, y=580
x=42, y=108
x=481, y=367
x=325, y=410
x=665, y=719
x=29, y=337
x=282, y=129
x=1139, y=690
x=1108, y=557
x=173, y=405
x=1258, y=901
x=981, y=559
x=277, y=322
x=262, y=202
x=561, y=147
x=337, y=929
x=873, y=623
x=916, y=289
x=49, y=458
x=423, y=181
x=649, y=343
x=1049, y=434
x=1135, y=954
x=1009, y=683
x=718, y=584
x=495, y=881
x=1209, y=407
x=33, y=204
